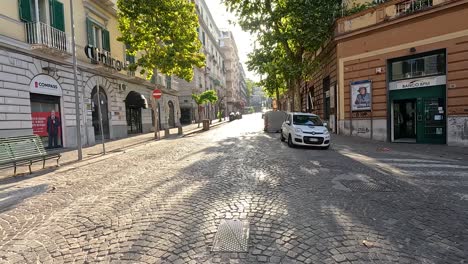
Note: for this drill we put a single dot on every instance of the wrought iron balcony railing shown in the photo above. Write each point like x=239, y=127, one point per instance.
x=43, y=35
x=412, y=6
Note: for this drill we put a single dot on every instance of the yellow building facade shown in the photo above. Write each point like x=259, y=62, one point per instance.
x=36, y=75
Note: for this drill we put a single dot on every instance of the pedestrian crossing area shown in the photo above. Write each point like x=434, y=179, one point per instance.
x=430, y=171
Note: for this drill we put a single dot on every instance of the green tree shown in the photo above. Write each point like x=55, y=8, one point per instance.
x=286, y=31
x=164, y=35
x=208, y=96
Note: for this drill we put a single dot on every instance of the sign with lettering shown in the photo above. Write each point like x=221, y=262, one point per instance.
x=45, y=84
x=418, y=83
x=104, y=57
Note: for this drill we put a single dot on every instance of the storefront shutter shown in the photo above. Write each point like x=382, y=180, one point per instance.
x=89, y=29
x=105, y=40
x=57, y=17
x=25, y=10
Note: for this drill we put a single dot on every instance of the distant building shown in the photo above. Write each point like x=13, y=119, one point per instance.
x=211, y=77
x=233, y=71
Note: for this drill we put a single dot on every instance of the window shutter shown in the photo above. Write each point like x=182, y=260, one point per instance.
x=89, y=29
x=105, y=40
x=130, y=58
x=25, y=10
x=57, y=15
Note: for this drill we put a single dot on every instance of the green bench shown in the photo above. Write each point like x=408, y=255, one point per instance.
x=24, y=150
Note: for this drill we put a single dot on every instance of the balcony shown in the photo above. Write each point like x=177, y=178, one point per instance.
x=47, y=39
x=412, y=6
x=385, y=11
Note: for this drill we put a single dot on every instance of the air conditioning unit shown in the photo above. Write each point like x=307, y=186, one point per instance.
x=122, y=87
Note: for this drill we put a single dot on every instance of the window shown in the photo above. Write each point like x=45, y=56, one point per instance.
x=307, y=120
x=98, y=36
x=168, y=82
x=429, y=65
x=130, y=58
x=203, y=38
x=50, y=12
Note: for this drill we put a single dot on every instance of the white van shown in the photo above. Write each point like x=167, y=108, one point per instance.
x=274, y=120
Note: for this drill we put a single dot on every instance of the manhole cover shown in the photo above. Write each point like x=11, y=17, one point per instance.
x=365, y=186
x=232, y=236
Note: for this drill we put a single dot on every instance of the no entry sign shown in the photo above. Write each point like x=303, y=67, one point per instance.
x=157, y=93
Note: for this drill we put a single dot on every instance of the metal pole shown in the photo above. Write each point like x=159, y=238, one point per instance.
x=100, y=120
x=75, y=73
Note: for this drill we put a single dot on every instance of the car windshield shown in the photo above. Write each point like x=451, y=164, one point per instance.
x=307, y=120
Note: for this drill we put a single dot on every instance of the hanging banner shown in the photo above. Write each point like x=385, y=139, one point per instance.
x=361, y=95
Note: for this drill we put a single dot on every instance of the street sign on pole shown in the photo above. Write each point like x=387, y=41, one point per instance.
x=157, y=93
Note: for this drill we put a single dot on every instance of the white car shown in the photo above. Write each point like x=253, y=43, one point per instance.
x=306, y=130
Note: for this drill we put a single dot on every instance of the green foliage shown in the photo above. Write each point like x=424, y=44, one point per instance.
x=250, y=86
x=286, y=30
x=164, y=35
x=208, y=96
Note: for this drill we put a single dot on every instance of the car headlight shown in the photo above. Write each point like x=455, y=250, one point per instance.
x=298, y=130
x=326, y=132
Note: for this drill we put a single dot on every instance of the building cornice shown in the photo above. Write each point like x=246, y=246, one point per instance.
x=394, y=21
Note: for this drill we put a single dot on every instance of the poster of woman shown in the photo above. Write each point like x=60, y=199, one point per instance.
x=361, y=95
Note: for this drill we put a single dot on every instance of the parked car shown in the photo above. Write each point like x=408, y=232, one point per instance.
x=305, y=129
x=273, y=120
x=238, y=115
x=232, y=116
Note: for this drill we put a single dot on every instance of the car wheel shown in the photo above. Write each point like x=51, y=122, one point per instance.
x=290, y=142
x=282, y=137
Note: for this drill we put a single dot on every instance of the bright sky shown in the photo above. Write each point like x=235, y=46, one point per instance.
x=244, y=40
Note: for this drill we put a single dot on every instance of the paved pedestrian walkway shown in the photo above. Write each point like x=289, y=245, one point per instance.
x=112, y=146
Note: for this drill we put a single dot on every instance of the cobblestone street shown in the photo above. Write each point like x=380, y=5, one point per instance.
x=163, y=202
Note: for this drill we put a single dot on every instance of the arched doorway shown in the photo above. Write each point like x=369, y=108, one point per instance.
x=134, y=102
x=103, y=106
x=171, y=114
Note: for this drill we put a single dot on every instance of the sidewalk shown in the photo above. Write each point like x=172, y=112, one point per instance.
x=430, y=150
x=70, y=156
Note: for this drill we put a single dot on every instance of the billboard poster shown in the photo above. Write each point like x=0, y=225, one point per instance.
x=39, y=123
x=361, y=96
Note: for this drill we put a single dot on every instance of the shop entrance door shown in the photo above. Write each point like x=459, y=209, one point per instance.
x=104, y=113
x=431, y=120
x=404, y=120
x=419, y=115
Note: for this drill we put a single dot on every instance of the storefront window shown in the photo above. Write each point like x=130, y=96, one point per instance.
x=46, y=121
x=418, y=67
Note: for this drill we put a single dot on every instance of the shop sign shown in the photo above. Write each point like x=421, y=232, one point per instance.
x=105, y=58
x=418, y=83
x=45, y=84
x=39, y=123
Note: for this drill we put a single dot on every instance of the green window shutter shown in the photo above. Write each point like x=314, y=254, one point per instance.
x=89, y=29
x=168, y=82
x=105, y=40
x=57, y=17
x=129, y=58
x=25, y=10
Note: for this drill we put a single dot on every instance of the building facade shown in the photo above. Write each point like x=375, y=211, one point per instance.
x=233, y=71
x=211, y=77
x=36, y=74
x=396, y=72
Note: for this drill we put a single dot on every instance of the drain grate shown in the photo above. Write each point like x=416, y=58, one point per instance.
x=232, y=236
x=357, y=185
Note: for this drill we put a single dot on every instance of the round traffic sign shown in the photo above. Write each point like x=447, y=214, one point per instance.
x=157, y=93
